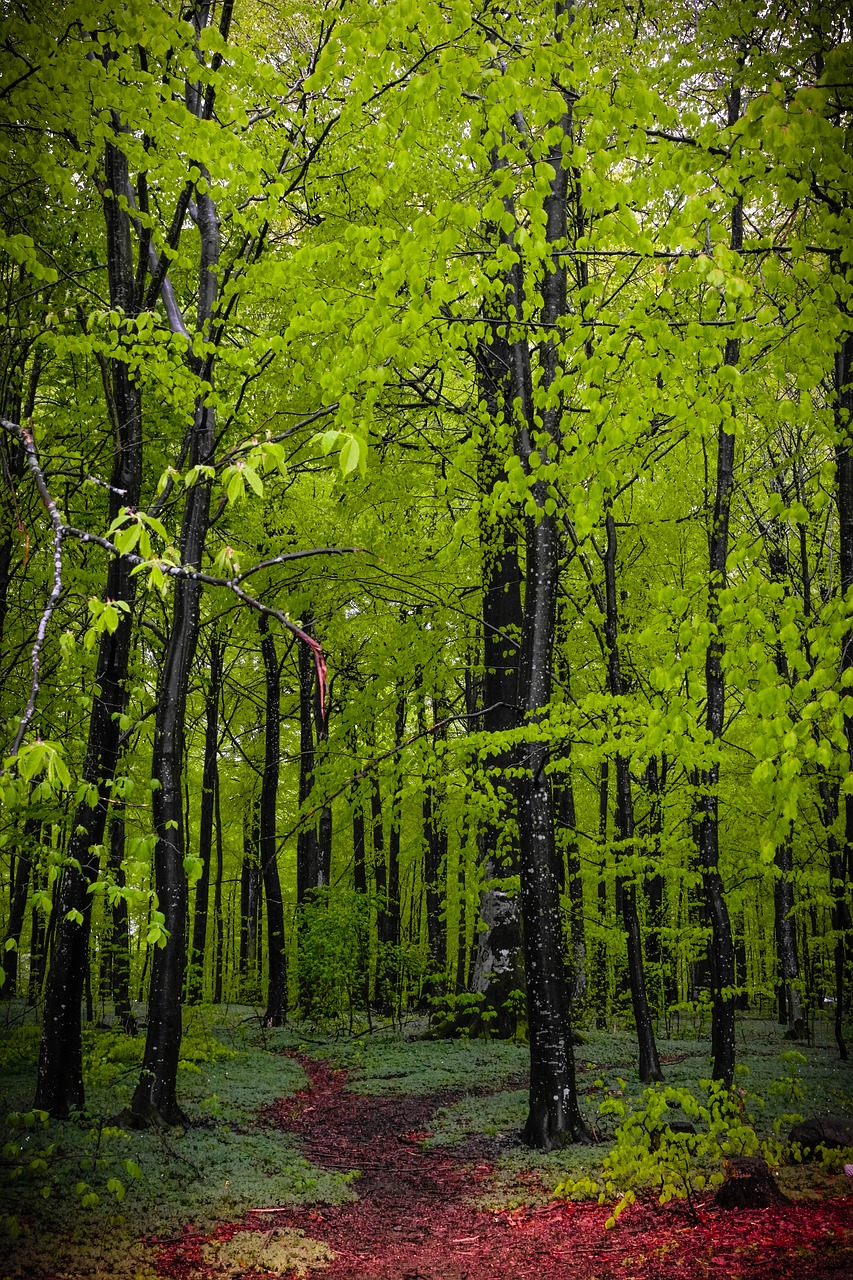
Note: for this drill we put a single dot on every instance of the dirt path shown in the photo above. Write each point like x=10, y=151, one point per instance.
x=412, y=1222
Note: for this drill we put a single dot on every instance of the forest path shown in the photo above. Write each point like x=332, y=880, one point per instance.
x=413, y=1219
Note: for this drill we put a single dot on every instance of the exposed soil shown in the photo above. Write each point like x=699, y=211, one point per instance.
x=414, y=1219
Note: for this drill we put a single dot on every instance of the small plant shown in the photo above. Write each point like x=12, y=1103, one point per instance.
x=677, y=1156
x=459, y=1014
x=791, y=1086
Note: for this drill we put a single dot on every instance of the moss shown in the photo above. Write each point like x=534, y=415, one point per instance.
x=269, y=1252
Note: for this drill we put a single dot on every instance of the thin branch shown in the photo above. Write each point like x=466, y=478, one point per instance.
x=26, y=439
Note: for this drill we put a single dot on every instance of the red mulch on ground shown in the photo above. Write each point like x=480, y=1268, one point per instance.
x=412, y=1222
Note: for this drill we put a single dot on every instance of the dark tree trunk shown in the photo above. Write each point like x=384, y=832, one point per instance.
x=12, y=468
x=359, y=865
x=59, y=1088
x=601, y=981
x=843, y=416
x=324, y=826
x=554, y=1115
x=649, y=1064
x=195, y=966
x=790, y=1003
x=388, y=907
x=786, y=941
x=661, y=986
x=576, y=975
x=38, y=944
x=498, y=965
x=251, y=897
x=119, y=932
x=276, y=1010
x=218, y=919
x=155, y=1097
x=841, y=918
x=307, y=847
x=380, y=876
x=721, y=954
x=30, y=834
x=435, y=860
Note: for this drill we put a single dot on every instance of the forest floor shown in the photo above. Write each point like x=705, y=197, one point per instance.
x=387, y=1157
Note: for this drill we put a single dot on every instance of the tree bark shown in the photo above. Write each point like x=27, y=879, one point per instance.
x=276, y=1010
x=195, y=966
x=649, y=1064
x=119, y=931
x=155, y=1096
x=307, y=847
x=30, y=834
x=721, y=954
x=59, y=1087
x=218, y=918
x=554, y=1116
x=251, y=897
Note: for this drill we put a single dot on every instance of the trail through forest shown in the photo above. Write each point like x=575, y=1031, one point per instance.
x=414, y=1218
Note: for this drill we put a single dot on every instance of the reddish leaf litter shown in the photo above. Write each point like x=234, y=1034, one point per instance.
x=413, y=1219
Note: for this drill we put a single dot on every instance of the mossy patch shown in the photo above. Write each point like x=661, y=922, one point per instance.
x=268, y=1253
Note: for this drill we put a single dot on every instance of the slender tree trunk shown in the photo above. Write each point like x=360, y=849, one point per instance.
x=601, y=982
x=307, y=850
x=59, y=1088
x=276, y=1011
x=721, y=953
x=841, y=916
x=843, y=417
x=577, y=976
x=324, y=826
x=359, y=865
x=554, y=1116
x=251, y=896
x=661, y=985
x=649, y=1065
x=380, y=878
x=20, y=885
x=218, y=922
x=195, y=967
x=435, y=859
x=155, y=1097
x=119, y=931
x=786, y=940
x=38, y=945
x=498, y=966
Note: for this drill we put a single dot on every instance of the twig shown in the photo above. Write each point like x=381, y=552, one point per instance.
x=31, y=455
x=62, y=531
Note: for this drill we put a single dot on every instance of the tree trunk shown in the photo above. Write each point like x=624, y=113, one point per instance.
x=498, y=966
x=841, y=920
x=567, y=822
x=218, y=920
x=195, y=967
x=601, y=982
x=721, y=955
x=649, y=1065
x=554, y=1116
x=324, y=826
x=155, y=1097
x=307, y=850
x=251, y=897
x=276, y=1010
x=119, y=932
x=661, y=986
x=20, y=885
x=59, y=1088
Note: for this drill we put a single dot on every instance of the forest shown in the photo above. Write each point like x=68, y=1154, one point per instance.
x=426, y=537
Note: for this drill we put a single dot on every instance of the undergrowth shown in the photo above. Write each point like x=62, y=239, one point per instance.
x=88, y=1187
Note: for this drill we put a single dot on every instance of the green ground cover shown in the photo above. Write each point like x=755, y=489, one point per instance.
x=89, y=1192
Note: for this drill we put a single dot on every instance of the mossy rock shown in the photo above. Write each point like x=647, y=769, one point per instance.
x=268, y=1252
